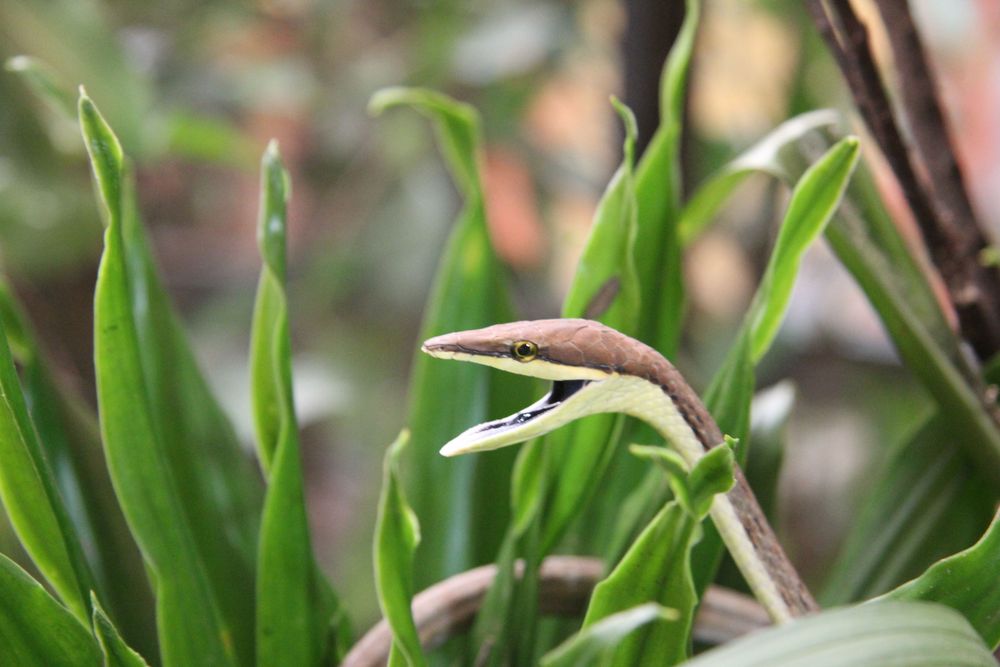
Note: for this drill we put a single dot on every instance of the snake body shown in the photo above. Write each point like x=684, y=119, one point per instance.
x=596, y=369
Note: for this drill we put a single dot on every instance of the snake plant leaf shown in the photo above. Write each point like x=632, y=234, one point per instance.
x=68, y=434
x=116, y=652
x=299, y=618
x=967, y=582
x=32, y=500
x=926, y=503
x=657, y=567
x=462, y=502
x=658, y=196
x=869, y=635
x=397, y=534
x=595, y=644
x=193, y=630
x=35, y=630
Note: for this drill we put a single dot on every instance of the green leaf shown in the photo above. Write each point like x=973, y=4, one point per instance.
x=926, y=502
x=299, y=619
x=42, y=81
x=397, y=534
x=812, y=204
x=69, y=435
x=595, y=643
x=192, y=629
x=116, y=652
x=814, y=201
x=35, y=630
x=966, y=582
x=458, y=499
x=770, y=155
x=870, y=635
x=32, y=500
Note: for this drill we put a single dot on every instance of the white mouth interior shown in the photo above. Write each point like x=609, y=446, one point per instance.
x=531, y=422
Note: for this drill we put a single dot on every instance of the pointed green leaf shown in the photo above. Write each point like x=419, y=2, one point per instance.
x=458, y=498
x=35, y=630
x=595, y=643
x=814, y=201
x=966, y=582
x=116, y=652
x=192, y=630
x=299, y=619
x=870, y=635
x=397, y=534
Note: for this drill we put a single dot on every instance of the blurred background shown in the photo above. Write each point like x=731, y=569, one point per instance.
x=196, y=89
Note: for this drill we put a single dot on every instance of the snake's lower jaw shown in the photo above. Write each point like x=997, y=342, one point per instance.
x=531, y=422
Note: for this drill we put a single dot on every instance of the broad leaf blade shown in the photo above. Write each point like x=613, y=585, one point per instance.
x=870, y=635
x=397, y=534
x=296, y=609
x=37, y=630
x=966, y=582
x=596, y=642
x=192, y=630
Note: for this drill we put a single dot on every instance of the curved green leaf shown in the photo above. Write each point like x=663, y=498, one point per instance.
x=595, y=643
x=870, y=635
x=814, y=201
x=31, y=499
x=966, y=582
x=37, y=631
x=397, y=534
x=296, y=609
x=192, y=630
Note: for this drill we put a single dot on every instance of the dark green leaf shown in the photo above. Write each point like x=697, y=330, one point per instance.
x=926, y=502
x=37, y=631
x=870, y=635
x=397, y=534
x=966, y=582
x=595, y=643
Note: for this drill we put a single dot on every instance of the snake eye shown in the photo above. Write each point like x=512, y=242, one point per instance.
x=524, y=350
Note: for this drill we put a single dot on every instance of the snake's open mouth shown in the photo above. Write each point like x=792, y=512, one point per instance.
x=518, y=427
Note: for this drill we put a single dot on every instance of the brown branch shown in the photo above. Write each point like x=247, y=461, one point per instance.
x=565, y=583
x=973, y=288
x=975, y=284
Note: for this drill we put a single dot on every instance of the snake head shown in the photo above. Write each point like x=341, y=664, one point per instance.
x=579, y=357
